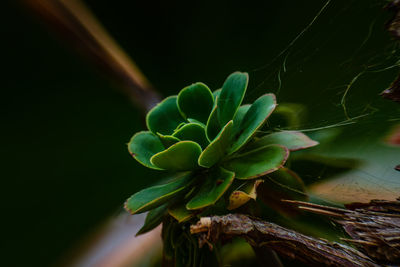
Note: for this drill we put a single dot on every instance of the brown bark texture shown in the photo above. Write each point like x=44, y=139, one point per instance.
x=373, y=229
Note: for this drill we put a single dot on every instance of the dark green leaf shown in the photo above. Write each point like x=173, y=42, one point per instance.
x=290, y=139
x=231, y=96
x=143, y=145
x=254, y=118
x=196, y=101
x=192, y=132
x=216, y=94
x=258, y=162
x=156, y=196
x=216, y=183
x=217, y=149
x=282, y=184
x=165, y=117
x=181, y=156
x=240, y=114
x=227, y=103
x=153, y=219
x=212, y=126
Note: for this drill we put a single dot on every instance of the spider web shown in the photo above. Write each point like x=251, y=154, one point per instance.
x=336, y=66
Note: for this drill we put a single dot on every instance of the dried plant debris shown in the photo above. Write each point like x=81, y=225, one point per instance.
x=393, y=25
x=374, y=227
x=393, y=92
x=286, y=242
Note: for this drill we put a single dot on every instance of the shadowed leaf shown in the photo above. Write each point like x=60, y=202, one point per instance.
x=217, y=148
x=153, y=219
x=168, y=140
x=215, y=185
x=192, y=132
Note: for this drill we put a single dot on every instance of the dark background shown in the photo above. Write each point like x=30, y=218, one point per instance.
x=65, y=167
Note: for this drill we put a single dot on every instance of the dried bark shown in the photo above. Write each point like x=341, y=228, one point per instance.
x=374, y=228
x=284, y=241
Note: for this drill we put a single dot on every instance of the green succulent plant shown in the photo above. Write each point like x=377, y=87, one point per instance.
x=205, y=140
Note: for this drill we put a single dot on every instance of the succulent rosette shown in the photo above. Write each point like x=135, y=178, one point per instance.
x=206, y=140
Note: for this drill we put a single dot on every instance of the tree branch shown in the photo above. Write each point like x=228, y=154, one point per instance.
x=286, y=242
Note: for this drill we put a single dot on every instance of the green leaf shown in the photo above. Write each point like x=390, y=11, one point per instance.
x=192, y=132
x=153, y=219
x=216, y=94
x=254, y=118
x=212, y=126
x=181, y=156
x=291, y=139
x=216, y=183
x=258, y=162
x=231, y=96
x=196, y=101
x=156, y=196
x=143, y=145
x=168, y=140
x=240, y=114
x=227, y=103
x=165, y=117
x=180, y=213
x=217, y=149
x=242, y=195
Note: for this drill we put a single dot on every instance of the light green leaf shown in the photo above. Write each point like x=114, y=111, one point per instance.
x=168, y=140
x=217, y=149
x=196, y=101
x=254, y=118
x=291, y=139
x=143, y=145
x=216, y=183
x=180, y=213
x=192, y=132
x=153, y=219
x=156, y=196
x=258, y=162
x=181, y=156
x=165, y=117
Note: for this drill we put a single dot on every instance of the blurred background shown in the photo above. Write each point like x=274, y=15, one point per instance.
x=65, y=123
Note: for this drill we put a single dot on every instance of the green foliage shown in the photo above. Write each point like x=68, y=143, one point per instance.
x=210, y=136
